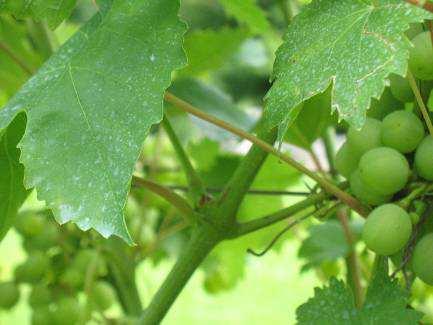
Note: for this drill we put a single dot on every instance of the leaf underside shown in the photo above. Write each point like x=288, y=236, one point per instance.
x=90, y=107
x=12, y=191
x=352, y=44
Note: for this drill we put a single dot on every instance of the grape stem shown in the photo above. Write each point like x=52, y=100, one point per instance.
x=354, y=276
x=414, y=194
x=170, y=196
x=353, y=273
x=21, y=63
x=254, y=191
x=195, y=183
x=323, y=211
x=420, y=101
x=257, y=224
x=324, y=183
x=413, y=239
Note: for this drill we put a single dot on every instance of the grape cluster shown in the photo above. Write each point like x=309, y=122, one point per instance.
x=60, y=270
x=376, y=161
x=385, y=155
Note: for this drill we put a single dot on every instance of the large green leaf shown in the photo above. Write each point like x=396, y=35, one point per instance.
x=90, y=107
x=12, y=191
x=385, y=303
x=352, y=44
x=247, y=12
x=51, y=11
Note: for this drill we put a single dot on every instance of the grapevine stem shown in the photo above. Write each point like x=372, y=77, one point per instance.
x=406, y=201
x=285, y=8
x=325, y=184
x=176, y=200
x=328, y=138
x=420, y=101
x=250, y=191
x=203, y=240
x=351, y=260
x=195, y=183
x=22, y=64
x=318, y=213
x=352, y=263
x=316, y=161
x=121, y=267
x=257, y=224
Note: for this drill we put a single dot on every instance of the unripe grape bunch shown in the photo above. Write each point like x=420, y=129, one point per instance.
x=382, y=162
x=58, y=277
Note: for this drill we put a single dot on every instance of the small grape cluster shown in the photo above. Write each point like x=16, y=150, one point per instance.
x=60, y=270
x=375, y=159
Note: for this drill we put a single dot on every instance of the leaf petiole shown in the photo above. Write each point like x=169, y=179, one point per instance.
x=324, y=183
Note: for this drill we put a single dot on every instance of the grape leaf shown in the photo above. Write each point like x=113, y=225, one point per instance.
x=12, y=191
x=209, y=49
x=90, y=107
x=326, y=242
x=385, y=303
x=247, y=12
x=51, y=11
x=311, y=122
x=352, y=44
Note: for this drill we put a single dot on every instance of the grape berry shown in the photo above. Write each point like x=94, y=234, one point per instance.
x=387, y=229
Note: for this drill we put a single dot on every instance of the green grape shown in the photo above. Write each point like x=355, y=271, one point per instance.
x=384, y=170
x=400, y=88
x=422, y=259
x=365, y=194
x=9, y=295
x=42, y=316
x=421, y=56
x=367, y=138
x=34, y=269
x=29, y=224
x=387, y=229
x=49, y=237
x=424, y=158
x=39, y=296
x=67, y=311
x=346, y=160
x=72, y=278
x=85, y=257
x=402, y=131
x=103, y=295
